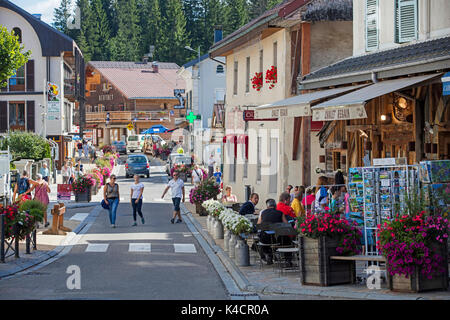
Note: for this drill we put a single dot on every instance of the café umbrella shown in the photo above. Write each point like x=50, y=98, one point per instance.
x=156, y=129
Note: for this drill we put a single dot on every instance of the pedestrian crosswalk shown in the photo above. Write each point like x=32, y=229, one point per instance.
x=144, y=247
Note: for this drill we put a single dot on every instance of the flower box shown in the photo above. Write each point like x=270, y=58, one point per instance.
x=200, y=210
x=83, y=197
x=418, y=282
x=316, y=267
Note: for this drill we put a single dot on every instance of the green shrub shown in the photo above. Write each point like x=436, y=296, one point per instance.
x=26, y=145
x=35, y=208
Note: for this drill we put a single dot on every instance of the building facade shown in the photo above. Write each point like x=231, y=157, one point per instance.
x=56, y=59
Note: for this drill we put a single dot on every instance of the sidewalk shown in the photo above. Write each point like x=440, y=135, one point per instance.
x=266, y=281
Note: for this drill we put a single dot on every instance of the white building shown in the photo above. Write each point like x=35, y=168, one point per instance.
x=205, y=91
x=54, y=58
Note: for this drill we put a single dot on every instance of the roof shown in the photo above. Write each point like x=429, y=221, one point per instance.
x=195, y=61
x=138, y=81
x=53, y=42
x=436, y=49
x=280, y=10
x=328, y=10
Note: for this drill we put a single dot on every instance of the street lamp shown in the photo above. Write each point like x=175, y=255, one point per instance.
x=190, y=49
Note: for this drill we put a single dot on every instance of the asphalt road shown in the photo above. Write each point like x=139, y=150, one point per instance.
x=157, y=260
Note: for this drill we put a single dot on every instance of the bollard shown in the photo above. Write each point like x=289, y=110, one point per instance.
x=35, y=238
x=16, y=240
x=2, y=238
x=28, y=244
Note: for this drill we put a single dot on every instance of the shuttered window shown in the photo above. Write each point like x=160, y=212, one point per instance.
x=235, y=87
x=30, y=76
x=371, y=25
x=247, y=76
x=406, y=18
x=30, y=116
x=3, y=116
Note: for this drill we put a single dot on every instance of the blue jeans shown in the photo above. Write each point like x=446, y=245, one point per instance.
x=113, y=204
x=137, y=207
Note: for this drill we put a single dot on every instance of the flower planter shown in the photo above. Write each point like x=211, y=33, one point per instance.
x=83, y=197
x=208, y=223
x=418, y=282
x=218, y=229
x=200, y=210
x=226, y=239
x=242, y=253
x=316, y=267
x=231, y=246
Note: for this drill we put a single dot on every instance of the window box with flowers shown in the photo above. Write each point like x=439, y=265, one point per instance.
x=416, y=250
x=81, y=187
x=321, y=237
x=272, y=77
x=257, y=81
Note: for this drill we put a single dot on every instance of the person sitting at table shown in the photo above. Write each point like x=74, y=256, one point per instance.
x=269, y=215
x=249, y=206
x=296, y=204
x=284, y=206
x=228, y=197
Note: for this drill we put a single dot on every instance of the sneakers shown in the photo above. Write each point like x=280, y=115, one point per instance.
x=179, y=221
x=172, y=221
x=143, y=221
x=134, y=224
x=113, y=226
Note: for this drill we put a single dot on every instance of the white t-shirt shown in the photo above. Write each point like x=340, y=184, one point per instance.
x=137, y=190
x=176, y=188
x=197, y=175
x=211, y=162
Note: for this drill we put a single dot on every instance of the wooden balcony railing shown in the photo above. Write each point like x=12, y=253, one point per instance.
x=126, y=116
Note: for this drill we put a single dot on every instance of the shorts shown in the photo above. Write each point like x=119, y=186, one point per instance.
x=176, y=204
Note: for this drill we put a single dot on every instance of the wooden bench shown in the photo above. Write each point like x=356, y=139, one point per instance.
x=57, y=227
x=359, y=258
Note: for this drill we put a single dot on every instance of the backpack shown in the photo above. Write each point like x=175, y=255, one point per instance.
x=24, y=185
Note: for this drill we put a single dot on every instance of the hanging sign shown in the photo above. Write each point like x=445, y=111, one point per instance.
x=53, y=102
x=340, y=113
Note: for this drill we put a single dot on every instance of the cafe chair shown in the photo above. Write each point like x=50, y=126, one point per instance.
x=286, y=254
x=272, y=244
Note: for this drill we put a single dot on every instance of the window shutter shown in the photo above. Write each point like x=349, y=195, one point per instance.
x=30, y=76
x=3, y=116
x=371, y=25
x=30, y=116
x=406, y=20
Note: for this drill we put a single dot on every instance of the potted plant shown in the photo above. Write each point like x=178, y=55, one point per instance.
x=257, y=81
x=415, y=246
x=214, y=208
x=207, y=189
x=81, y=188
x=272, y=77
x=25, y=220
x=323, y=236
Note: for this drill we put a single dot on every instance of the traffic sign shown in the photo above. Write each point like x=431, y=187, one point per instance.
x=130, y=126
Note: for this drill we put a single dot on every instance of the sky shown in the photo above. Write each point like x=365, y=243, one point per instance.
x=44, y=7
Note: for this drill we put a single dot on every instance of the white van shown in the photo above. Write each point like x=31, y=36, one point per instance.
x=133, y=143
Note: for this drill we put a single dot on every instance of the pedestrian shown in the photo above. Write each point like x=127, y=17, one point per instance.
x=45, y=172
x=211, y=163
x=77, y=173
x=177, y=189
x=249, y=206
x=137, y=189
x=196, y=175
x=112, y=198
x=41, y=191
x=335, y=207
x=321, y=199
x=86, y=149
x=66, y=173
x=22, y=188
x=93, y=154
x=284, y=206
x=80, y=149
x=72, y=172
x=218, y=176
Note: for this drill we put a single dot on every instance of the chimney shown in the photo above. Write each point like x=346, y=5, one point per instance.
x=155, y=67
x=218, y=34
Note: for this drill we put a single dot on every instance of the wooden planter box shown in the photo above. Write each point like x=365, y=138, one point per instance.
x=83, y=197
x=418, y=282
x=316, y=267
x=200, y=210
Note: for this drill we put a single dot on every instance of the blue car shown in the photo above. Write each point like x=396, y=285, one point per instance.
x=137, y=164
x=120, y=146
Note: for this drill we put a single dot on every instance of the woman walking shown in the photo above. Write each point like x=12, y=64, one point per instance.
x=112, y=197
x=137, y=189
x=41, y=191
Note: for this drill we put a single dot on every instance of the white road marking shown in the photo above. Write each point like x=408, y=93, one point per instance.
x=144, y=236
x=79, y=216
x=140, y=247
x=184, y=248
x=97, y=247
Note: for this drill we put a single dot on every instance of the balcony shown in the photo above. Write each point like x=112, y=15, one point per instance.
x=121, y=117
x=69, y=89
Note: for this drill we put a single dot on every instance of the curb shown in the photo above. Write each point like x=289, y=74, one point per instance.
x=50, y=256
x=244, y=285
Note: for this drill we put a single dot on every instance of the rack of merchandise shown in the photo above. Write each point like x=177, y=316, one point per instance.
x=435, y=179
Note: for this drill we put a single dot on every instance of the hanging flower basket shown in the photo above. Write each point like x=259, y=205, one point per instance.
x=257, y=81
x=272, y=77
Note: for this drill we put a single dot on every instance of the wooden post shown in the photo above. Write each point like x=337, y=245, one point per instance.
x=55, y=230
x=62, y=210
x=306, y=121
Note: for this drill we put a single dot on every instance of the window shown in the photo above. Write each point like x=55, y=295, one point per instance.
x=371, y=25
x=235, y=87
x=261, y=60
x=17, y=116
x=18, y=33
x=92, y=87
x=17, y=81
x=244, y=146
x=405, y=20
x=247, y=76
x=220, y=69
x=258, y=160
x=275, y=53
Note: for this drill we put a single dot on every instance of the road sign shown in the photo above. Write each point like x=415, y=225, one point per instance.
x=130, y=126
x=446, y=84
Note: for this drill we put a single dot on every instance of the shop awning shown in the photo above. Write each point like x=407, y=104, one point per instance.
x=298, y=106
x=352, y=105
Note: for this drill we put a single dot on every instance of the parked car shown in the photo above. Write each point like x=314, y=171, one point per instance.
x=170, y=160
x=133, y=143
x=120, y=146
x=137, y=164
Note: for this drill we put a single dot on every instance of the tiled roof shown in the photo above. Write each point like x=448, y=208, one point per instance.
x=193, y=62
x=138, y=82
x=422, y=51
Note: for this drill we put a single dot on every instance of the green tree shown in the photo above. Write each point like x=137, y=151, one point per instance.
x=273, y=3
x=236, y=15
x=257, y=8
x=212, y=17
x=61, y=16
x=12, y=56
x=101, y=31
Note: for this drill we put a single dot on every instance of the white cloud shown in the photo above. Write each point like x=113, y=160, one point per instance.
x=44, y=7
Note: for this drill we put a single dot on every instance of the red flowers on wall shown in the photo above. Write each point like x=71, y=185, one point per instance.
x=257, y=81
x=272, y=77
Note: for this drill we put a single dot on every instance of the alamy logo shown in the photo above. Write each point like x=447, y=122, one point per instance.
x=74, y=280
x=76, y=23
x=374, y=278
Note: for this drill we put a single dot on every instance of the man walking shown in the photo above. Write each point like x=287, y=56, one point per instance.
x=211, y=163
x=45, y=172
x=177, y=188
x=137, y=189
x=197, y=175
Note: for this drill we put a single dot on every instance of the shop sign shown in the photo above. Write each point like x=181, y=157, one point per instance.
x=340, y=113
x=446, y=84
x=64, y=191
x=283, y=112
x=389, y=161
x=53, y=102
